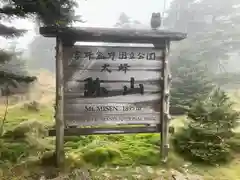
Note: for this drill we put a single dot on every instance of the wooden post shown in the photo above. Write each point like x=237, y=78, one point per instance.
x=164, y=107
x=167, y=96
x=59, y=104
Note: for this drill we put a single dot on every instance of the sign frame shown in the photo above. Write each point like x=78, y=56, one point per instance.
x=66, y=37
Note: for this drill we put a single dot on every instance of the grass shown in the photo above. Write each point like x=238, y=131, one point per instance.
x=25, y=151
x=235, y=96
x=21, y=114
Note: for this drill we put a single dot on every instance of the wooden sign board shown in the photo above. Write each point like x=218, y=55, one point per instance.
x=109, y=85
x=112, y=85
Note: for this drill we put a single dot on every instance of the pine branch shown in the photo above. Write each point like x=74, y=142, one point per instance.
x=5, y=56
x=8, y=76
x=50, y=12
x=6, y=31
x=13, y=11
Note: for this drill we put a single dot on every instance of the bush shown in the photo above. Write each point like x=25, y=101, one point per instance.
x=48, y=158
x=27, y=127
x=211, y=125
x=32, y=106
x=101, y=155
x=197, y=145
x=234, y=142
x=189, y=83
x=13, y=152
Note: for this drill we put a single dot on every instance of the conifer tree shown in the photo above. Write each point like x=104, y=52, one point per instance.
x=48, y=12
x=189, y=83
x=211, y=123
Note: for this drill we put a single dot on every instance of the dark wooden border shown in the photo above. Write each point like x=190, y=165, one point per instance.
x=113, y=130
x=115, y=35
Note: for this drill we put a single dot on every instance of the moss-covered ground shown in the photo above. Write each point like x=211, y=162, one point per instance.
x=26, y=151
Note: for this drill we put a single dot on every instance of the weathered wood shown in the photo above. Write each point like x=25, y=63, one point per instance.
x=70, y=95
x=81, y=56
x=167, y=102
x=100, y=119
x=59, y=104
x=164, y=111
x=78, y=67
x=78, y=75
x=81, y=75
x=74, y=99
x=141, y=81
x=110, y=130
x=117, y=35
x=86, y=84
x=135, y=65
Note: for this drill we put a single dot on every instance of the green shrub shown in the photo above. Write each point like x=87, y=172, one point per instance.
x=32, y=127
x=13, y=152
x=206, y=137
x=197, y=145
x=72, y=145
x=48, y=158
x=101, y=155
x=189, y=83
x=234, y=142
x=81, y=140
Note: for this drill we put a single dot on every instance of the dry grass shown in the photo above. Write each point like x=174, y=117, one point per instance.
x=43, y=91
x=235, y=96
x=45, y=87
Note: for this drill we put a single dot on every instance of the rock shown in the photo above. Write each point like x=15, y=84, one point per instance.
x=42, y=178
x=176, y=175
x=194, y=177
x=77, y=174
x=81, y=174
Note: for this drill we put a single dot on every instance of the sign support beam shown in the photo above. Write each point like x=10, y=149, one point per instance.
x=165, y=96
x=59, y=104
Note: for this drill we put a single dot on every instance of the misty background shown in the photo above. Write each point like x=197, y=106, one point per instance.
x=210, y=22
x=209, y=54
x=95, y=14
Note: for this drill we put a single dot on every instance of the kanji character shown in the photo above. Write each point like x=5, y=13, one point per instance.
x=122, y=55
x=77, y=55
x=141, y=55
x=131, y=55
x=100, y=55
x=111, y=55
x=123, y=67
x=88, y=55
x=105, y=67
x=151, y=56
